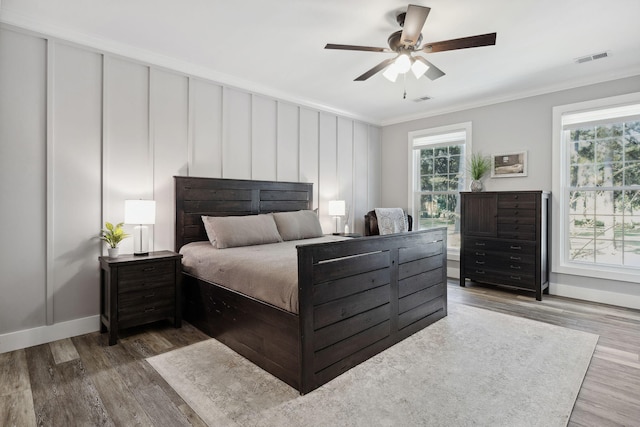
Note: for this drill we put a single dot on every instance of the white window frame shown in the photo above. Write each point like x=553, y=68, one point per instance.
x=452, y=253
x=560, y=262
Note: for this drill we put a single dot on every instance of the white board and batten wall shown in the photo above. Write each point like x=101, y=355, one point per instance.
x=82, y=130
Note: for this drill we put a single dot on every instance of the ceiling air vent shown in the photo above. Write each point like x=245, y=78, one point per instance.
x=424, y=98
x=593, y=57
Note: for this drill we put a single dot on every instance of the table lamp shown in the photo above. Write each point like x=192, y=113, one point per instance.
x=337, y=208
x=141, y=213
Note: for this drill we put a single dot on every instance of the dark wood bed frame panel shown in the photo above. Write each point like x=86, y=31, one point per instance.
x=356, y=297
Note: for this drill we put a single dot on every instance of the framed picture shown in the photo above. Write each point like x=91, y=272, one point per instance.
x=508, y=165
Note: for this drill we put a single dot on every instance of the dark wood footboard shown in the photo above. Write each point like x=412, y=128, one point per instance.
x=360, y=297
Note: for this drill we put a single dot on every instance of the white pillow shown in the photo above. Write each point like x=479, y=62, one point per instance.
x=298, y=225
x=234, y=231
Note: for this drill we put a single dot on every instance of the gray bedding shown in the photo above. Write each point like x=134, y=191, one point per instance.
x=268, y=272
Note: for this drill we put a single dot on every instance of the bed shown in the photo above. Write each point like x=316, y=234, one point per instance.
x=356, y=297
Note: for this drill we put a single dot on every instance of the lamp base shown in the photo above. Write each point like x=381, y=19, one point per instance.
x=141, y=240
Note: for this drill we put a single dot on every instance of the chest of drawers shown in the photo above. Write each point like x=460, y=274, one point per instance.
x=505, y=239
x=136, y=290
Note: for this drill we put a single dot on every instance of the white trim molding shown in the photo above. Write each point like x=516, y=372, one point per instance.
x=559, y=262
x=45, y=334
x=594, y=295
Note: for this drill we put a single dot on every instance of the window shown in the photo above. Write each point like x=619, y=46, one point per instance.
x=598, y=187
x=437, y=175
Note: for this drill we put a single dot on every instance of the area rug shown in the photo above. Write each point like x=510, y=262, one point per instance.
x=474, y=367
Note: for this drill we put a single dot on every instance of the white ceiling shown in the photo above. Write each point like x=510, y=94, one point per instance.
x=276, y=47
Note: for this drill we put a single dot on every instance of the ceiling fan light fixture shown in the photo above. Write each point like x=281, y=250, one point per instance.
x=403, y=63
x=419, y=68
x=391, y=73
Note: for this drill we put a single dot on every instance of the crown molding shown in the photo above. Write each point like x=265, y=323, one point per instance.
x=514, y=96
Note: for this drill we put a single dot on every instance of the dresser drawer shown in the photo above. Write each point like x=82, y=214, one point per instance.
x=480, y=245
x=517, y=231
x=517, y=213
x=500, y=261
x=526, y=281
x=527, y=220
x=514, y=201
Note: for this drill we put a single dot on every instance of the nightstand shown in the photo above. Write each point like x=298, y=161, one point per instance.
x=139, y=289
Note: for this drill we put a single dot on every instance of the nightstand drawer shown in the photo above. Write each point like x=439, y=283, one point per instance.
x=137, y=315
x=146, y=297
x=145, y=284
x=149, y=270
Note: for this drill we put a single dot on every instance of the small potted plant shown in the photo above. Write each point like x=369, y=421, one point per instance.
x=478, y=167
x=113, y=235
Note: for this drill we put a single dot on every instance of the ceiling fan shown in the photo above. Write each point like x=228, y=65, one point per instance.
x=407, y=41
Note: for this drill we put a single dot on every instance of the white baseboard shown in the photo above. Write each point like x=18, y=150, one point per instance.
x=595, y=295
x=44, y=334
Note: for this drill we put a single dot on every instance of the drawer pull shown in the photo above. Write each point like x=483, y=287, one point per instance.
x=148, y=269
x=516, y=277
x=480, y=262
x=149, y=309
x=479, y=271
x=516, y=247
x=150, y=295
x=480, y=244
x=516, y=212
x=515, y=267
x=515, y=258
x=480, y=253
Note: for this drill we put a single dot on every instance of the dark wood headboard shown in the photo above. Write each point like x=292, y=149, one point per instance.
x=223, y=197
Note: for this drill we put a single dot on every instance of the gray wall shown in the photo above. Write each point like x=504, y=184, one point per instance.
x=523, y=124
x=83, y=130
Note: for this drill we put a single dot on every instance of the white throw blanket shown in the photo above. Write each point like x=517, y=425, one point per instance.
x=391, y=220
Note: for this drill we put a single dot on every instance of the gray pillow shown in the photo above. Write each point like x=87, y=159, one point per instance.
x=211, y=234
x=234, y=231
x=298, y=225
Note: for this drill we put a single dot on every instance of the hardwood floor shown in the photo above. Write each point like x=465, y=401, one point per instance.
x=82, y=381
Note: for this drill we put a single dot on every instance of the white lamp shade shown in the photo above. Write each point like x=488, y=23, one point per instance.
x=419, y=67
x=139, y=211
x=391, y=73
x=402, y=63
x=337, y=207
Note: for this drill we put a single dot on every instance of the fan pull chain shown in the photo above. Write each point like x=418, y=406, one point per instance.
x=404, y=96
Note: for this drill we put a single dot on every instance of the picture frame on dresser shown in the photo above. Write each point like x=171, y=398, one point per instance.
x=509, y=165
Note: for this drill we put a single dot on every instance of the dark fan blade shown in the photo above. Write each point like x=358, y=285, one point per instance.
x=381, y=66
x=433, y=72
x=350, y=47
x=413, y=23
x=463, y=43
